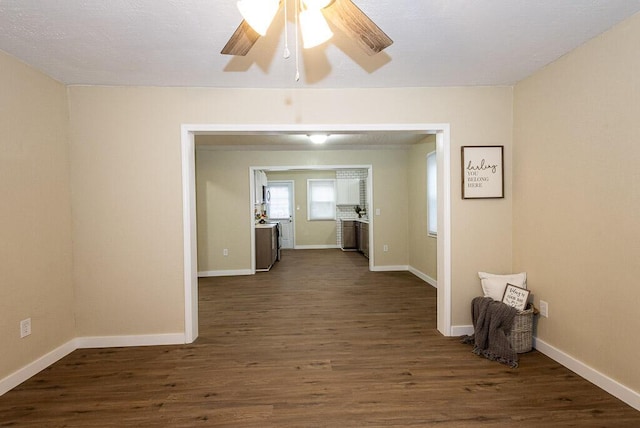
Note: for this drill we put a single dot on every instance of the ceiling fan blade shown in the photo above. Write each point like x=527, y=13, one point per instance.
x=241, y=41
x=357, y=25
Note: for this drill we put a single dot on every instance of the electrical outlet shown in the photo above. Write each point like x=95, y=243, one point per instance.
x=377, y=211
x=385, y=248
x=544, y=309
x=225, y=252
x=25, y=327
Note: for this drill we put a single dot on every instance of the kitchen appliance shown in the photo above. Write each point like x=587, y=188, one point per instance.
x=278, y=238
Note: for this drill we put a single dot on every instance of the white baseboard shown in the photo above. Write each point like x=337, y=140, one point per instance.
x=390, y=268
x=613, y=387
x=461, y=330
x=602, y=381
x=134, y=340
x=35, y=367
x=423, y=276
x=315, y=247
x=210, y=273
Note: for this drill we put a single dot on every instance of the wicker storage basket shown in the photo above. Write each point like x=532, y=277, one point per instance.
x=521, y=335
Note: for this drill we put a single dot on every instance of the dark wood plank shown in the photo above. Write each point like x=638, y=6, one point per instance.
x=357, y=26
x=241, y=41
x=319, y=341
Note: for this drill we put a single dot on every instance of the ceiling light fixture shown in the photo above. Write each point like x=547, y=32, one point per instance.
x=259, y=14
x=317, y=4
x=309, y=21
x=318, y=138
x=314, y=28
x=342, y=14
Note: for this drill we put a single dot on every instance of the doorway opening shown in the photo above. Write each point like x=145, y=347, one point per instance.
x=335, y=171
x=443, y=149
x=281, y=209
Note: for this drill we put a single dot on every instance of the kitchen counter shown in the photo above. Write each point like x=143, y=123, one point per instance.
x=265, y=225
x=355, y=235
x=267, y=242
x=359, y=220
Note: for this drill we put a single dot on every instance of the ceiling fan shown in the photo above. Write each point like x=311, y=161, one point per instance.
x=343, y=14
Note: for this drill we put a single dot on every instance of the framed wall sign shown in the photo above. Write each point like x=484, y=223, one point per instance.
x=482, y=172
x=516, y=297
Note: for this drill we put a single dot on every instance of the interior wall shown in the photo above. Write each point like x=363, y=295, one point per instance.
x=389, y=195
x=422, y=247
x=308, y=233
x=126, y=175
x=35, y=243
x=577, y=198
x=222, y=211
x=223, y=214
x=127, y=211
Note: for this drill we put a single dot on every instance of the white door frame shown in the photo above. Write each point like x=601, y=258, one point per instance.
x=443, y=149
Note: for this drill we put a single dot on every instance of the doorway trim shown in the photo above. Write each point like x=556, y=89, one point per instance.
x=443, y=149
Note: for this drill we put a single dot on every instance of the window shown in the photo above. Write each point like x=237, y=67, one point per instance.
x=321, y=199
x=432, y=194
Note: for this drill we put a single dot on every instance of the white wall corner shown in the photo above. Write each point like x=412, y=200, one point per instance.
x=423, y=276
x=35, y=367
x=613, y=387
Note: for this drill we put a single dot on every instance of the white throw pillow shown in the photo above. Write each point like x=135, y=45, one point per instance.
x=494, y=285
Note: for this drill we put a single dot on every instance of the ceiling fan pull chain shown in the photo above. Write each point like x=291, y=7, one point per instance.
x=287, y=54
x=297, y=48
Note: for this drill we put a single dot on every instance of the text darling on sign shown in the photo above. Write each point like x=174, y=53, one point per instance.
x=482, y=174
x=473, y=180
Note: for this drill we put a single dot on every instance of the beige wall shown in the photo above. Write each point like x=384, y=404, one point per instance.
x=422, y=247
x=314, y=233
x=223, y=213
x=126, y=176
x=577, y=198
x=35, y=243
x=127, y=210
x=127, y=201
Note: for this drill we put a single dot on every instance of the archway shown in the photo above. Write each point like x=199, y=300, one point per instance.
x=443, y=149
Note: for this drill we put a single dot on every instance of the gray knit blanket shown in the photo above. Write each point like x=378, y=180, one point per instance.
x=492, y=322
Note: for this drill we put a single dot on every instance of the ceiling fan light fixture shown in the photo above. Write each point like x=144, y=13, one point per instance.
x=314, y=28
x=259, y=13
x=316, y=4
x=318, y=138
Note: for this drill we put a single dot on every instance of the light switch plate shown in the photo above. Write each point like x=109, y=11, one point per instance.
x=25, y=327
x=544, y=309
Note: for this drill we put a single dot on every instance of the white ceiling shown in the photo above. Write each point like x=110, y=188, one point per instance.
x=177, y=42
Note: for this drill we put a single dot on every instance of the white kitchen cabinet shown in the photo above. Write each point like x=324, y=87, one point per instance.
x=260, y=182
x=348, y=191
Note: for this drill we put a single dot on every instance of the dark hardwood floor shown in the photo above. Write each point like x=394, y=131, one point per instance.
x=317, y=342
